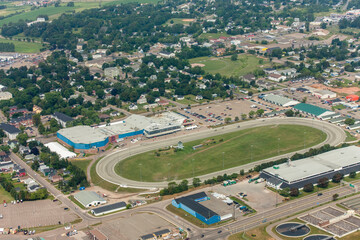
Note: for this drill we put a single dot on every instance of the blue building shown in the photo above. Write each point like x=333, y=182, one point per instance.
x=191, y=204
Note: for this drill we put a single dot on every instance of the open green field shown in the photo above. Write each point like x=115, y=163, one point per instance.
x=177, y=21
x=82, y=164
x=5, y=196
x=54, y=12
x=235, y=149
x=245, y=64
x=214, y=35
x=24, y=47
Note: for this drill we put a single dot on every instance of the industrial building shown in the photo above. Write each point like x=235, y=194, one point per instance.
x=109, y=208
x=191, y=204
x=280, y=100
x=298, y=173
x=312, y=110
x=89, y=198
x=93, y=139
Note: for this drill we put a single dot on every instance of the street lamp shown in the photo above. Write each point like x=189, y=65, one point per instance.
x=304, y=138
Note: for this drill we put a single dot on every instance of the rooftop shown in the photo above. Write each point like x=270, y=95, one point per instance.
x=307, y=167
x=109, y=207
x=280, y=99
x=87, y=197
x=311, y=109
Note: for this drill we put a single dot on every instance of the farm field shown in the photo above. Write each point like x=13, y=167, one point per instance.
x=234, y=149
x=24, y=47
x=245, y=64
x=54, y=12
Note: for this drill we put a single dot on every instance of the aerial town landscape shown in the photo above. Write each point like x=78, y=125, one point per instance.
x=183, y=119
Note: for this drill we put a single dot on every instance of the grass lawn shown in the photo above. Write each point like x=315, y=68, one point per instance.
x=188, y=100
x=214, y=35
x=24, y=47
x=54, y=12
x=5, y=196
x=177, y=21
x=98, y=181
x=349, y=137
x=245, y=64
x=235, y=149
x=253, y=234
x=82, y=164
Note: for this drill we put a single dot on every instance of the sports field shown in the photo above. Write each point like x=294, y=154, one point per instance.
x=235, y=149
x=24, y=47
x=245, y=64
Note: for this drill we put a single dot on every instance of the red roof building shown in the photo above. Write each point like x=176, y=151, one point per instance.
x=352, y=98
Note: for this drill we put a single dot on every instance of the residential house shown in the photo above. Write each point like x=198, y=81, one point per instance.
x=199, y=97
x=249, y=77
x=114, y=114
x=133, y=107
x=276, y=77
x=7, y=166
x=24, y=150
x=5, y=96
x=165, y=54
x=55, y=178
x=33, y=186
x=142, y=99
x=62, y=118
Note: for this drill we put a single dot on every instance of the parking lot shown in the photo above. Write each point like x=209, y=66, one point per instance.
x=137, y=225
x=28, y=214
x=259, y=197
x=215, y=113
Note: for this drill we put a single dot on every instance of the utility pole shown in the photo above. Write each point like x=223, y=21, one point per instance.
x=304, y=138
x=251, y=153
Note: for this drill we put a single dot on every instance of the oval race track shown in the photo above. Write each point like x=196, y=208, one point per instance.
x=105, y=167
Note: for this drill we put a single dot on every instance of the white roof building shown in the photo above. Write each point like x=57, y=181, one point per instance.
x=60, y=150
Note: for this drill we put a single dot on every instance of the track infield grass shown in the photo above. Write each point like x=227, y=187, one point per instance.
x=234, y=149
x=243, y=65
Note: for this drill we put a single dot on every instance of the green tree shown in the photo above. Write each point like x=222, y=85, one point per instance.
x=260, y=112
x=22, y=138
x=36, y=119
x=237, y=119
x=350, y=121
x=337, y=177
x=227, y=120
x=352, y=175
x=242, y=172
x=308, y=187
x=289, y=113
x=323, y=182
x=335, y=197
x=285, y=192
x=294, y=192
x=243, y=116
x=251, y=114
x=234, y=57
x=196, y=182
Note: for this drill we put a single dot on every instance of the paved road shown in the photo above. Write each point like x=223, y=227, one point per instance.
x=105, y=167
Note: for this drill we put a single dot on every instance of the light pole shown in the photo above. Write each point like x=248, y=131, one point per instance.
x=140, y=172
x=223, y=159
x=304, y=138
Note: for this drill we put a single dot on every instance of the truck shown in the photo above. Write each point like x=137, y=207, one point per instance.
x=253, y=179
x=228, y=182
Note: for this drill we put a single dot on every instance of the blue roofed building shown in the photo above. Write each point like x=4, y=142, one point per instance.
x=191, y=204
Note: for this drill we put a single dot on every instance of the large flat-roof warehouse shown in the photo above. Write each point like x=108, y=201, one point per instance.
x=280, y=100
x=296, y=174
x=92, y=139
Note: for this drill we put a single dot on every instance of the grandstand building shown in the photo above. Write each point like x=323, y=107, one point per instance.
x=297, y=174
x=94, y=139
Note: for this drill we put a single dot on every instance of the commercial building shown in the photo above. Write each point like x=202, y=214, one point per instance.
x=324, y=94
x=297, y=173
x=280, y=100
x=89, y=198
x=5, y=96
x=109, y=208
x=312, y=110
x=60, y=150
x=93, y=139
x=10, y=131
x=191, y=204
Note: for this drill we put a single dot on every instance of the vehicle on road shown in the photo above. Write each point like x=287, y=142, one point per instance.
x=219, y=231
